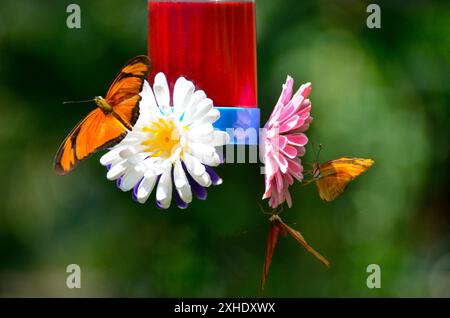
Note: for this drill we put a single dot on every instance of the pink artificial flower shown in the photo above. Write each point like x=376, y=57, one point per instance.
x=285, y=142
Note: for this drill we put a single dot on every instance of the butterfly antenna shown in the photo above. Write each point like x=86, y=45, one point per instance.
x=279, y=210
x=79, y=102
x=262, y=208
x=313, y=144
x=317, y=153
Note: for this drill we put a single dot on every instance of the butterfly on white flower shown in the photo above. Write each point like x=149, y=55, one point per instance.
x=171, y=149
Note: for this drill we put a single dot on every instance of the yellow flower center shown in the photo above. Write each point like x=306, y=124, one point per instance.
x=163, y=139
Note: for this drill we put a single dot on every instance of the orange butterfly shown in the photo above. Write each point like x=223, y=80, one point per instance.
x=277, y=226
x=333, y=177
x=109, y=123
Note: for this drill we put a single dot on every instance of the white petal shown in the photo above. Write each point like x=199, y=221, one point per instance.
x=204, y=180
x=178, y=91
x=165, y=204
x=220, y=138
x=133, y=137
x=116, y=170
x=175, y=154
x=211, y=117
x=200, y=150
x=200, y=131
x=130, y=179
x=217, y=139
x=162, y=93
x=193, y=165
x=183, y=93
x=185, y=194
x=202, y=109
x=145, y=189
x=137, y=159
x=110, y=156
x=127, y=152
x=198, y=97
x=179, y=177
x=164, y=189
x=212, y=161
x=148, y=107
x=154, y=166
x=182, y=183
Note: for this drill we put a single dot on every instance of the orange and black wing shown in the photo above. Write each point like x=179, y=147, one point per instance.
x=101, y=130
x=335, y=176
x=123, y=94
x=96, y=132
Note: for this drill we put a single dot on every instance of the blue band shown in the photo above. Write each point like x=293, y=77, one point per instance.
x=242, y=124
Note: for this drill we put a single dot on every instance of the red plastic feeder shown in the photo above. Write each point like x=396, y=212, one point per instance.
x=213, y=44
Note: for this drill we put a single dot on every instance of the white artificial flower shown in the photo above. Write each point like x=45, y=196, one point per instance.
x=171, y=149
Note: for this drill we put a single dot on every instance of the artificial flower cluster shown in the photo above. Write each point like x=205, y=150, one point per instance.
x=173, y=149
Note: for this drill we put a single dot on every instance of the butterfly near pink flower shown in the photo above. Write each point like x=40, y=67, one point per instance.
x=284, y=145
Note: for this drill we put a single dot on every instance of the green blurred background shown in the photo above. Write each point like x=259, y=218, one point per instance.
x=381, y=94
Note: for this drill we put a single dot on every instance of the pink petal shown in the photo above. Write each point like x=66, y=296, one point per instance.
x=282, y=142
x=289, y=151
x=294, y=166
x=268, y=192
x=288, y=199
x=301, y=151
x=283, y=163
x=274, y=116
x=293, y=123
x=298, y=140
x=306, y=90
x=289, y=124
x=286, y=93
x=293, y=106
x=306, y=106
x=279, y=183
x=289, y=180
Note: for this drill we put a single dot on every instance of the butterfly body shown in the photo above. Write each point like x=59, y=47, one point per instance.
x=110, y=122
x=333, y=177
x=103, y=104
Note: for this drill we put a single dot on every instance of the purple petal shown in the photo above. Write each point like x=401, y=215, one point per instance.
x=197, y=189
x=135, y=190
x=181, y=204
x=119, y=182
x=159, y=206
x=216, y=180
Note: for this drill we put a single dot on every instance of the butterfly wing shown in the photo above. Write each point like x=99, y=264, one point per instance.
x=123, y=94
x=335, y=176
x=300, y=239
x=100, y=130
x=97, y=131
x=272, y=240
